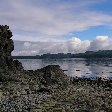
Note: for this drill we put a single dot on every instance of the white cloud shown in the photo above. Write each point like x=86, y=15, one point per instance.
x=101, y=43
x=101, y=38
x=27, y=44
x=73, y=45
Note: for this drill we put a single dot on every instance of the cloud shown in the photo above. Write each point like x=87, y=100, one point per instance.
x=36, y=38
x=51, y=18
x=101, y=43
x=73, y=45
x=47, y=23
x=101, y=38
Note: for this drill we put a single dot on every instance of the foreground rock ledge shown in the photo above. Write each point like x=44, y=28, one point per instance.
x=47, y=89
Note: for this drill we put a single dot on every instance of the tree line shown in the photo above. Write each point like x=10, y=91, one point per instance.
x=87, y=54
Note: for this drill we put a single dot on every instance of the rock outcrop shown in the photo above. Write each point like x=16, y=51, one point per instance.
x=8, y=66
x=6, y=47
x=53, y=74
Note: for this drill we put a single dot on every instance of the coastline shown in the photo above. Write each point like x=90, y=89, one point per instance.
x=48, y=89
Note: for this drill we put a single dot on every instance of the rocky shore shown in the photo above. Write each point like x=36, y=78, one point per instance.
x=47, y=89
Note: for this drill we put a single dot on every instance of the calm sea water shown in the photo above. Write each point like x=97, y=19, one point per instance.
x=74, y=67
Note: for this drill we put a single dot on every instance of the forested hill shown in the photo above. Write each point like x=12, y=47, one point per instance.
x=87, y=54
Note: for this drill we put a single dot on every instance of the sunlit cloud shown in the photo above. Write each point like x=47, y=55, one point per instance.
x=101, y=43
x=73, y=45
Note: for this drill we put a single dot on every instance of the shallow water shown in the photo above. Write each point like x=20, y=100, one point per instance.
x=74, y=67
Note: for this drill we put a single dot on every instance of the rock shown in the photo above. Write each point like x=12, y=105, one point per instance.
x=53, y=74
x=18, y=65
x=8, y=66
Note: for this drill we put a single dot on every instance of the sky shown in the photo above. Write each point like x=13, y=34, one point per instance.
x=54, y=26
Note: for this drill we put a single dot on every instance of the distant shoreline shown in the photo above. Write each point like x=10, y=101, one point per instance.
x=87, y=54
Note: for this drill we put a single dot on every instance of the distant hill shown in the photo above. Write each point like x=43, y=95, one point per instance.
x=87, y=54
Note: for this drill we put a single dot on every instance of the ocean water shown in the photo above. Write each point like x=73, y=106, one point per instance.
x=74, y=67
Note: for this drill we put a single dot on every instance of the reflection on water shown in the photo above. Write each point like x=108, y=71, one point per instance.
x=74, y=67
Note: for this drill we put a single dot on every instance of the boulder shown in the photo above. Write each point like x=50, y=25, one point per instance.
x=53, y=74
